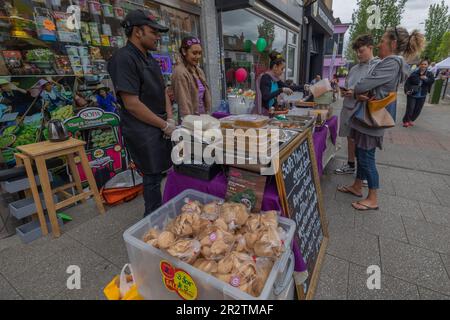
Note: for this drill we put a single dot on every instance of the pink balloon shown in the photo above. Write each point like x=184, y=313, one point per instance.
x=241, y=75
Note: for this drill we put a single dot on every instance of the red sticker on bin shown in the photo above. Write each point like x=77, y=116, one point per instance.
x=179, y=281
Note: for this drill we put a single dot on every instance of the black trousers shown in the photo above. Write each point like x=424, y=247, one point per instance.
x=414, y=108
x=152, y=192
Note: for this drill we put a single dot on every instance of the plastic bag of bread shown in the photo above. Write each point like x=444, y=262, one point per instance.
x=151, y=235
x=235, y=215
x=238, y=270
x=216, y=243
x=192, y=207
x=184, y=225
x=263, y=269
x=269, y=219
x=269, y=243
x=211, y=210
x=207, y=266
x=166, y=239
x=221, y=224
x=199, y=224
x=186, y=250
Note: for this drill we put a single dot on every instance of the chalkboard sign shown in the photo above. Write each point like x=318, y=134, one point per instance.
x=299, y=188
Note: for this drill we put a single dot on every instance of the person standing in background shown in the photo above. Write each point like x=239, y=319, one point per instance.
x=189, y=84
x=383, y=80
x=363, y=46
x=417, y=87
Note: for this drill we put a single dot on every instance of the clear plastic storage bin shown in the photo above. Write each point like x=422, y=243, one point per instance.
x=146, y=260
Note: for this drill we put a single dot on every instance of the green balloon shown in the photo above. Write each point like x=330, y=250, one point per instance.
x=261, y=44
x=248, y=44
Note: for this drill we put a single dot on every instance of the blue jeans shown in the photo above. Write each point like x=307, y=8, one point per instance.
x=366, y=167
x=152, y=192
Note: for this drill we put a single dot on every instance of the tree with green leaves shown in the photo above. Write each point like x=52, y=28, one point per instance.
x=365, y=20
x=443, y=52
x=436, y=25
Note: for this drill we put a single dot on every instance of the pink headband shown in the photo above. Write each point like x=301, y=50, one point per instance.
x=193, y=41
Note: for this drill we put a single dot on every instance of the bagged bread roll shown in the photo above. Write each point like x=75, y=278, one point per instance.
x=199, y=224
x=225, y=266
x=151, y=234
x=235, y=215
x=253, y=223
x=211, y=211
x=269, y=219
x=182, y=226
x=221, y=224
x=207, y=266
x=154, y=243
x=216, y=243
x=185, y=250
x=166, y=239
x=263, y=269
x=192, y=207
x=269, y=243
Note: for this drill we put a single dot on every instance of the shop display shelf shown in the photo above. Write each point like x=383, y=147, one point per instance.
x=146, y=260
x=20, y=184
x=32, y=230
x=26, y=207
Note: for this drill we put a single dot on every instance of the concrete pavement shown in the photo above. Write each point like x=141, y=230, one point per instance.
x=409, y=238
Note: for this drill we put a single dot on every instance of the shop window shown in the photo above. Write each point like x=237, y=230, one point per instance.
x=241, y=31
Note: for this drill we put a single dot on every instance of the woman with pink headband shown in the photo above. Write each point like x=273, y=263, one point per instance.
x=190, y=88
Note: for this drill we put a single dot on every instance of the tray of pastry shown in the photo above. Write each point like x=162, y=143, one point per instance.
x=295, y=123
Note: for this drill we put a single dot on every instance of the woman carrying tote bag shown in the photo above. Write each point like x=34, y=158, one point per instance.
x=376, y=95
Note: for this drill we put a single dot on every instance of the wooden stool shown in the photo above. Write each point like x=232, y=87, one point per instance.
x=39, y=152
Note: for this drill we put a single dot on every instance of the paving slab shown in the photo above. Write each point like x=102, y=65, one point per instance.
x=443, y=195
x=7, y=292
x=99, y=228
x=52, y=275
x=391, y=288
x=428, y=235
x=430, y=295
x=16, y=259
x=415, y=265
x=339, y=213
x=446, y=260
x=92, y=284
x=416, y=192
x=400, y=206
x=354, y=245
x=382, y=224
x=333, y=279
x=436, y=214
x=112, y=249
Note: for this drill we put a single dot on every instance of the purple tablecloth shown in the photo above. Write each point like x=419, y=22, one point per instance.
x=177, y=183
x=320, y=140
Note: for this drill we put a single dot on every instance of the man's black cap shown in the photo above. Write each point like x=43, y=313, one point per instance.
x=140, y=17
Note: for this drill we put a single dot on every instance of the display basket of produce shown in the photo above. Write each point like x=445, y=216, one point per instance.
x=7, y=140
x=198, y=247
x=8, y=158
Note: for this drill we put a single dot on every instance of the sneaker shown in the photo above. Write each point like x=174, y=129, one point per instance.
x=346, y=169
x=406, y=125
x=411, y=124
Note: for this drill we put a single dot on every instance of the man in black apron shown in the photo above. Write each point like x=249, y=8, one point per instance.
x=146, y=119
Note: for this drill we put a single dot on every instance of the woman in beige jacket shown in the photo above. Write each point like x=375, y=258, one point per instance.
x=191, y=90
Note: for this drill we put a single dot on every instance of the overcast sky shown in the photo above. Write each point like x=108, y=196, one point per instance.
x=416, y=11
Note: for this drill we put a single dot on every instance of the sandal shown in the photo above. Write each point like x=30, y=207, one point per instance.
x=365, y=207
x=345, y=189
